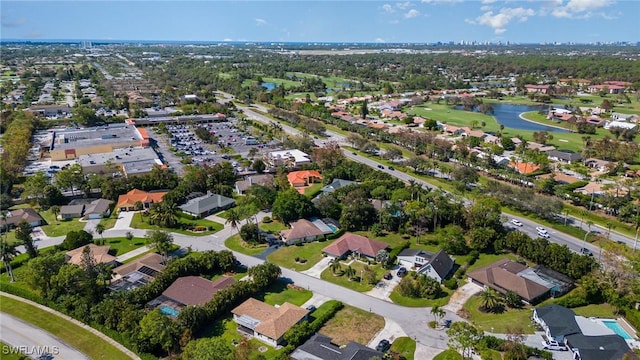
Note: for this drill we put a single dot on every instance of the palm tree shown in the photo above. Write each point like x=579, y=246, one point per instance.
x=55, y=210
x=438, y=313
x=7, y=253
x=164, y=214
x=350, y=272
x=335, y=266
x=105, y=274
x=233, y=218
x=161, y=241
x=100, y=229
x=490, y=300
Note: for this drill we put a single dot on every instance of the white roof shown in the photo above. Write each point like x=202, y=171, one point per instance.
x=620, y=124
x=296, y=154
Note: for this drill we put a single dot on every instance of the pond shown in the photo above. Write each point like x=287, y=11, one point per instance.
x=509, y=116
x=268, y=85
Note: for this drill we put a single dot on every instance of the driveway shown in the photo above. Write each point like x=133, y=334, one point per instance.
x=124, y=220
x=318, y=268
x=33, y=341
x=461, y=295
x=390, y=331
x=384, y=288
x=90, y=226
x=316, y=300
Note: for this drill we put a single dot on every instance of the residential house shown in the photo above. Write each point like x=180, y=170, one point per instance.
x=610, y=89
x=540, y=89
x=560, y=178
x=524, y=167
x=14, y=217
x=619, y=124
x=100, y=255
x=586, y=338
x=562, y=116
x=208, y=204
x=335, y=185
x=138, y=272
x=98, y=209
x=292, y=158
x=320, y=347
x=437, y=266
x=51, y=111
x=592, y=188
x=531, y=284
x=303, y=178
x=564, y=156
x=194, y=290
x=264, y=179
x=600, y=165
x=69, y=212
x=303, y=231
x=128, y=201
x=265, y=322
x=357, y=245
x=621, y=116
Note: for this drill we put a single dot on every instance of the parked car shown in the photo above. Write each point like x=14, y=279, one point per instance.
x=402, y=272
x=391, y=168
x=553, y=345
x=388, y=276
x=354, y=153
x=380, y=167
x=383, y=345
x=311, y=308
x=585, y=251
x=516, y=222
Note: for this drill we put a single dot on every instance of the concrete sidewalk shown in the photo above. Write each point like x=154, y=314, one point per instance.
x=318, y=268
x=133, y=253
x=217, y=219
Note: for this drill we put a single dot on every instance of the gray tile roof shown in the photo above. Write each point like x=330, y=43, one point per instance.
x=610, y=347
x=560, y=320
x=206, y=203
x=320, y=347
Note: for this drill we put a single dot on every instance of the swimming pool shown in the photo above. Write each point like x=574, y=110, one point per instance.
x=168, y=310
x=332, y=227
x=613, y=325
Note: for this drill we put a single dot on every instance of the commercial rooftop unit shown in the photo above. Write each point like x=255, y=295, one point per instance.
x=129, y=161
x=72, y=143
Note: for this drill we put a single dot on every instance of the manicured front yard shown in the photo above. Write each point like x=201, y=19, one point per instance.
x=235, y=243
x=405, y=346
x=121, y=245
x=110, y=222
x=421, y=302
x=340, y=279
x=273, y=227
x=498, y=322
x=76, y=336
x=352, y=324
x=140, y=222
x=286, y=255
x=59, y=227
x=279, y=293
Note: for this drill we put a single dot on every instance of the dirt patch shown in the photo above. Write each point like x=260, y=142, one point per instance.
x=352, y=324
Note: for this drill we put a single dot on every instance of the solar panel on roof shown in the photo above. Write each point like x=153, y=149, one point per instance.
x=147, y=271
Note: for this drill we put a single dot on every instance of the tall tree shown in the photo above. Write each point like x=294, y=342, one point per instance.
x=464, y=337
x=364, y=109
x=23, y=234
x=161, y=241
x=490, y=299
x=7, y=253
x=100, y=229
x=233, y=218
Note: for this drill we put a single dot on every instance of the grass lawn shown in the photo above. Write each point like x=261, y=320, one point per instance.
x=355, y=284
x=235, y=243
x=120, y=245
x=278, y=293
x=599, y=310
x=486, y=259
x=448, y=355
x=313, y=190
x=74, y=335
x=405, y=346
x=110, y=222
x=11, y=353
x=498, y=323
x=393, y=239
x=59, y=227
x=352, y=324
x=274, y=227
x=140, y=222
x=222, y=214
x=286, y=255
x=421, y=302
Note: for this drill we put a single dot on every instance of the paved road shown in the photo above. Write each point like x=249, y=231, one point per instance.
x=573, y=243
x=33, y=341
x=162, y=149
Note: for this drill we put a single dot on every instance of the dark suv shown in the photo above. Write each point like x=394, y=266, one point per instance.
x=383, y=345
x=402, y=272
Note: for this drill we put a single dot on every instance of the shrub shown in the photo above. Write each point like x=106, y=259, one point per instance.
x=432, y=324
x=473, y=257
x=200, y=228
x=451, y=284
x=267, y=219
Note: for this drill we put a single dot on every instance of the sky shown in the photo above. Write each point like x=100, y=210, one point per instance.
x=425, y=21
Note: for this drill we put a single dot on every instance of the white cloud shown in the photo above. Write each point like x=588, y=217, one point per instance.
x=380, y=40
x=403, y=5
x=412, y=13
x=580, y=8
x=488, y=1
x=260, y=22
x=12, y=23
x=227, y=39
x=485, y=8
x=499, y=21
x=387, y=8
x=437, y=2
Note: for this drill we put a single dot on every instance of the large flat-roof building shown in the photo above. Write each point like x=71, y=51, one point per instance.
x=72, y=143
x=128, y=161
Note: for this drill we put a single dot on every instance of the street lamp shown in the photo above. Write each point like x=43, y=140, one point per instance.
x=361, y=272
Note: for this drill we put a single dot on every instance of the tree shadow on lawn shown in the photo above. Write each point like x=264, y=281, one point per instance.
x=277, y=287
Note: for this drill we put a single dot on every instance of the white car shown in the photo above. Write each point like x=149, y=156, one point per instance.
x=540, y=229
x=543, y=234
x=553, y=345
x=516, y=222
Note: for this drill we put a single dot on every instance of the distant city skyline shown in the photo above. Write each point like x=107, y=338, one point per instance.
x=426, y=21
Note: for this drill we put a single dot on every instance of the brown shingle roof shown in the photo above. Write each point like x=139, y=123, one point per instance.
x=194, y=290
x=100, y=254
x=152, y=260
x=274, y=321
x=503, y=276
x=301, y=229
x=355, y=243
x=27, y=214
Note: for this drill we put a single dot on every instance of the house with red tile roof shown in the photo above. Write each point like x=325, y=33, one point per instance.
x=127, y=201
x=100, y=255
x=542, y=89
x=358, y=245
x=303, y=178
x=611, y=89
x=524, y=167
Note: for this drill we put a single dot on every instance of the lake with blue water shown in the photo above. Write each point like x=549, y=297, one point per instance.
x=509, y=116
